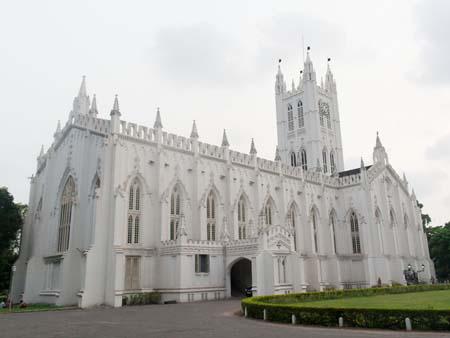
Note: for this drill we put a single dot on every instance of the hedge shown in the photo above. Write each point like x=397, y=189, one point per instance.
x=142, y=298
x=278, y=310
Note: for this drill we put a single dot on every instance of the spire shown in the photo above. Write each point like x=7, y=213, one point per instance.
x=280, y=85
x=309, y=72
x=93, y=111
x=277, y=155
x=58, y=129
x=194, y=132
x=252, y=148
x=157, y=123
x=115, y=110
x=363, y=167
x=225, y=139
x=379, y=153
x=82, y=91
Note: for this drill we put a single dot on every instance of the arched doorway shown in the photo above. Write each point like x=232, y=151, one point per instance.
x=241, y=277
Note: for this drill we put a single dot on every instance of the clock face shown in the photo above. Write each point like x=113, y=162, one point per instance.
x=324, y=108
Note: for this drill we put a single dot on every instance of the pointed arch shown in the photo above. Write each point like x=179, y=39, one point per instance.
x=290, y=117
x=303, y=159
x=134, y=213
x=176, y=211
x=269, y=210
x=65, y=217
x=301, y=117
x=209, y=188
x=211, y=216
x=332, y=162
x=292, y=220
x=355, y=235
x=333, y=224
x=242, y=218
x=293, y=159
x=314, y=217
x=324, y=160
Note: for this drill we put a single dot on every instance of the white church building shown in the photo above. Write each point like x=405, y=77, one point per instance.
x=117, y=208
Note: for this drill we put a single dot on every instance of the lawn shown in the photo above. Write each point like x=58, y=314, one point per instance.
x=31, y=308
x=430, y=300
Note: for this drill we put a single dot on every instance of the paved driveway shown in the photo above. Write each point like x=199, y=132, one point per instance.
x=191, y=320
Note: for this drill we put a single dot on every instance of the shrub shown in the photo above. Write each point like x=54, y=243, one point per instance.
x=142, y=298
x=280, y=309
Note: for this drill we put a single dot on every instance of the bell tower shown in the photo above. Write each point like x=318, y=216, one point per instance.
x=308, y=123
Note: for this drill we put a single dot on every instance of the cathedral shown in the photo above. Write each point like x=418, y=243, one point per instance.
x=117, y=209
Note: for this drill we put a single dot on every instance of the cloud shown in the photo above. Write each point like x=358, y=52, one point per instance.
x=440, y=150
x=427, y=183
x=433, y=30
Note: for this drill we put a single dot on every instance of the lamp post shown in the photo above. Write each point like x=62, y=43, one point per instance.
x=13, y=269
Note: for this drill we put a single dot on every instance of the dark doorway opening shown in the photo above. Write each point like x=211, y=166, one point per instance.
x=241, y=278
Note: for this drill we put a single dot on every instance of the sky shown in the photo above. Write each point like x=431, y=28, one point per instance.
x=215, y=62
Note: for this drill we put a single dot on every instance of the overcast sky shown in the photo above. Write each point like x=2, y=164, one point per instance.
x=215, y=62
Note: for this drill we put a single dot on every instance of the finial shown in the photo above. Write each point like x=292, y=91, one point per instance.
x=42, y=151
x=252, y=148
x=277, y=154
x=378, y=141
x=93, y=109
x=363, y=167
x=116, y=103
x=404, y=178
x=194, y=132
x=58, y=127
x=157, y=123
x=225, y=139
x=82, y=91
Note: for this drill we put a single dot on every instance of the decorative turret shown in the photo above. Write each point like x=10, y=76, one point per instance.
x=158, y=124
x=115, y=116
x=194, y=132
x=252, y=148
x=280, y=85
x=330, y=84
x=225, y=140
x=58, y=130
x=379, y=153
x=277, y=155
x=93, y=111
x=309, y=74
x=81, y=102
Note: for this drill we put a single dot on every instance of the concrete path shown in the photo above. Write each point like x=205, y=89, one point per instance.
x=191, y=320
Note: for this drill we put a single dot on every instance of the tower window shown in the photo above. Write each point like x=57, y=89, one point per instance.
x=242, y=219
x=301, y=117
x=293, y=159
x=211, y=217
x=332, y=163
x=133, y=219
x=175, y=213
x=354, y=227
x=304, y=159
x=324, y=159
x=290, y=118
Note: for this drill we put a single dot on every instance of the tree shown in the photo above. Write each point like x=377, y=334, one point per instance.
x=11, y=220
x=439, y=244
x=426, y=219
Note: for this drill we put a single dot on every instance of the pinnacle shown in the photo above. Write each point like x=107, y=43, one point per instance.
x=82, y=91
x=194, y=132
x=157, y=123
x=277, y=154
x=378, y=141
x=252, y=148
x=93, y=109
x=225, y=139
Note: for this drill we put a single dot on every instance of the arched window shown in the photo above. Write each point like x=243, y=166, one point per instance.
x=315, y=230
x=301, y=117
x=134, y=213
x=332, y=162
x=291, y=223
x=293, y=159
x=242, y=219
x=378, y=221
x=304, y=159
x=290, y=118
x=175, y=213
x=324, y=160
x=354, y=227
x=211, y=217
x=333, y=230
x=65, y=216
x=405, y=221
x=392, y=218
x=268, y=213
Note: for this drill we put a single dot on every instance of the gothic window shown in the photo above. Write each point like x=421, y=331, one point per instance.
x=405, y=221
x=293, y=159
x=333, y=230
x=332, y=162
x=290, y=118
x=242, y=219
x=291, y=223
x=268, y=213
x=324, y=114
x=315, y=231
x=304, y=159
x=301, y=117
x=282, y=269
x=354, y=227
x=132, y=272
x=134, y=213
x=324, y=159
x=211, y=217
x=65, y=217
x=175, y=213
x=392, y=218
x=378, y=221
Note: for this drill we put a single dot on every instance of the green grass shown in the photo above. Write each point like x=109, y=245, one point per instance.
x=429, y=300
x=32, y=308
